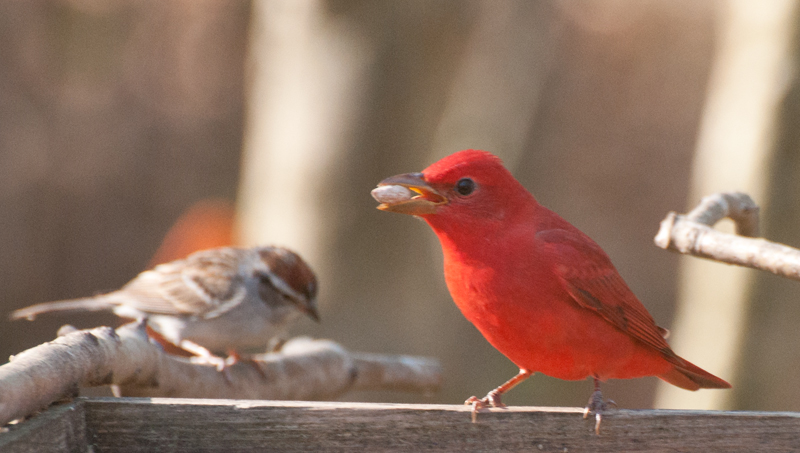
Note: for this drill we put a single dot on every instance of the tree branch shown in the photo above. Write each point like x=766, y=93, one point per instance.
x=692, y=234
x=305, y=369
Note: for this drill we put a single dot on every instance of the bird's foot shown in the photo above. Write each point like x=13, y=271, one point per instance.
x=492, y=399
x=205, y=357
x=234, y=357
x=224, y=365
x=598, y=406
x=220, y=363
x=275, y=345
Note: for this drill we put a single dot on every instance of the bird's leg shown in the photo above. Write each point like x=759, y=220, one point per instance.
x=234, y=357
x=168, y=346
x=204, y=356
x=195, y=352
x=492, y=399
x=597, y=405
x=276, y=344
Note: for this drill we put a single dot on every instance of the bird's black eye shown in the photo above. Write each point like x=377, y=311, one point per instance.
x=465, y=186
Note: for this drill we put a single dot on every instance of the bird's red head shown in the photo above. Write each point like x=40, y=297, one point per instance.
x=466, y=186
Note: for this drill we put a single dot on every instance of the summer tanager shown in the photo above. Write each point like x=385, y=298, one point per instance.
x=541, y=291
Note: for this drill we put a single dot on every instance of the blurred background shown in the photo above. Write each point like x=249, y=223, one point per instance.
x=117, y=117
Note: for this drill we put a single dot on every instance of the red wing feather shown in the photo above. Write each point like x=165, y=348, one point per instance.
x=595, y=284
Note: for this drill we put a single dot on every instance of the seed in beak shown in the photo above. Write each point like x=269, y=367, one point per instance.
x=392, y=194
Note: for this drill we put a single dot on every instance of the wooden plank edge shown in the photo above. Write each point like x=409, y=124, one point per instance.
x=331, y=405
x=186, y=425
x=59, y=428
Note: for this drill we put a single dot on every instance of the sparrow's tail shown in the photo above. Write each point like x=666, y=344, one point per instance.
x=689, y=376
x=72, y=305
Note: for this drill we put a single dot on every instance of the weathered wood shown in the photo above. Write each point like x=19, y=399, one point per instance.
x=143, y=425
x=193, y=425
x=62, y=428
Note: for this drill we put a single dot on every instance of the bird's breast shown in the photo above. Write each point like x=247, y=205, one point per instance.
x=527, y=315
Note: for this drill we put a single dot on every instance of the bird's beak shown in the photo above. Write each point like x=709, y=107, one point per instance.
x=309, y=309
x=419, y=198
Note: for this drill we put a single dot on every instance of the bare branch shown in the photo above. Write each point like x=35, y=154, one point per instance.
x=305, y=369
x=736, y=206
x=692, y=234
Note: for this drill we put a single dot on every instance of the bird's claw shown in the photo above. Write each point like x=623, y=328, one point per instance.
x=276, y=344
x=234, y=358
x=597, y=405
x=222, y=365
x=219, y=363
x=492, y=399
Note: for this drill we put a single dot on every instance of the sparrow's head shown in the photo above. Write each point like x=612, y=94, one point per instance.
x=288, y=275
x=466, y=186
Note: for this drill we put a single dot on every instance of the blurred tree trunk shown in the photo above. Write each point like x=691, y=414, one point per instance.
x=770, y=357
x=114, y=118
x=734, y=153
x=344, y=93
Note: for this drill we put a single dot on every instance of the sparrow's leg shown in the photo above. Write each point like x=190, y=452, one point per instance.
x=276, y=344
x=234, y=357
x=168, y=346
x=203, y=355
x=597, y=405
x=195, y=352
x=492, y=399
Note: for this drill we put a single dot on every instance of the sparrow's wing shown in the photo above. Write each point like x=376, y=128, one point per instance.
x=203, y=283
x=594, y=284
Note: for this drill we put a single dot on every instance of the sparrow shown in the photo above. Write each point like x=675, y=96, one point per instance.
x=217, y=300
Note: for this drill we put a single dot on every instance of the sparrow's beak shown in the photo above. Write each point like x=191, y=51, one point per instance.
x=408, y=194
x=307, y=307
x=311, y=311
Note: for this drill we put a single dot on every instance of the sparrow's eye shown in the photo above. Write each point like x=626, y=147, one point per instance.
x=465, y=186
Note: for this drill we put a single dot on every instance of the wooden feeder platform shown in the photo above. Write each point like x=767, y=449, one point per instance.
x=207, y=425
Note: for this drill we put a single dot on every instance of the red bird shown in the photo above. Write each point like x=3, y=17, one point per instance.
x=541, y=291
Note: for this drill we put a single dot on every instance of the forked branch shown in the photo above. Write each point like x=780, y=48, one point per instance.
x=692, y=234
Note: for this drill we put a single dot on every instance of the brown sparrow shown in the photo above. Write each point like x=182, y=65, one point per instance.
x=221, y=300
